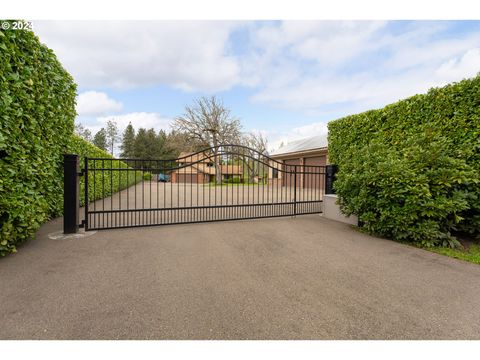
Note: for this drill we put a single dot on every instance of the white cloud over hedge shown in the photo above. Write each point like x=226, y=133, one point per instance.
x=94, y=103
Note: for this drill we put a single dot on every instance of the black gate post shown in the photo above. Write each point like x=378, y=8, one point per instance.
x=330, y=171
x=71, y=205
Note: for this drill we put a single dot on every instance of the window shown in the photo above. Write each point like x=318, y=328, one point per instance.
x=274, y=173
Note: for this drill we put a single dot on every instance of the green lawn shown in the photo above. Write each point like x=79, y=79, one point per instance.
x=472, y=254
x=233, y=184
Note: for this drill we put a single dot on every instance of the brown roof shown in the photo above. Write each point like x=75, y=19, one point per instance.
x=193, y=157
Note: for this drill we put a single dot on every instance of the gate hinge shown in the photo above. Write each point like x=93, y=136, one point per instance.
x=82, y=224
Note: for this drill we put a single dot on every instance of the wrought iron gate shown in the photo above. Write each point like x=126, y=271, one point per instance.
x=220, y=183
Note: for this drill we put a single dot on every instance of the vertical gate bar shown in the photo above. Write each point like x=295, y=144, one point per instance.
x=165, y=189
x=120, y=187
x=111, y=189
x=258, y=181
x=220, y=178
x=151, y=169
x=85, y=166
x=126, y=221
x=94, y=191
x=191, y=218
x=263, y=183
x=103, y=193
x=240, y=177
x=176, y=213
x=295, y=191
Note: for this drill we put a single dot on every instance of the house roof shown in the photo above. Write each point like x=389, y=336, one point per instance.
x=225, y=169
x=306, y=144
x=190, y=157
x=202, y=167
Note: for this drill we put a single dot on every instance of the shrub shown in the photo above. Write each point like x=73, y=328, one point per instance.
x=147, y=176
x=118, y=180
x=410, y=171
x=37, y=112
x=233, y=180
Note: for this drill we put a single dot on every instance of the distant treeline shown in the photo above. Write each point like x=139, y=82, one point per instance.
x=142, y=143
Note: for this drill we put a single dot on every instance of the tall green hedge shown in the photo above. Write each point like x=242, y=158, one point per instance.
x=411, y=171
x=106, y=182
x=37, y=112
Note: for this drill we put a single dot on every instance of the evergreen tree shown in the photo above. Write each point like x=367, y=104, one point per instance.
x=161, y=145
x=153, y=150
x=140, y=144
x=100, y=139
x=128, y=142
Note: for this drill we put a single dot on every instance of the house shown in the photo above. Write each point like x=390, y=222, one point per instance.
x=305, y=154
x=200, y=169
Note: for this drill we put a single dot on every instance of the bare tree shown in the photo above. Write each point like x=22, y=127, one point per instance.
x=256, y=141
x=112, y=134
x=209, y=122
x=177, y=142
x=83, y=132
x=256, y=150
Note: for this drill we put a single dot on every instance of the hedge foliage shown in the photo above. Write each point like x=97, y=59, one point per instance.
x=411, y=171
x=101, y=183
x=37, y=112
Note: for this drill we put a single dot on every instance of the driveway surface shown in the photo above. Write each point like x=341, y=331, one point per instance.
x=283, y=278
x=151, y=202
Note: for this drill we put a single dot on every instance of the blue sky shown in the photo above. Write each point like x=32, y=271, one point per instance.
x=286, y=79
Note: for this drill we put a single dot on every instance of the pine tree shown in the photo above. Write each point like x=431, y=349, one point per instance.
x=140, y=144
x=100, y=139
x=128, y=142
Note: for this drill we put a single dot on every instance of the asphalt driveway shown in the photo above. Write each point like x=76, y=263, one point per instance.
x=283, y=278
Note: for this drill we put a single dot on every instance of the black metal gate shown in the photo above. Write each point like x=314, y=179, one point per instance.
x=220, y=183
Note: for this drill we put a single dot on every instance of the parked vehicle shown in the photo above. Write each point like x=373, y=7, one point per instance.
x=163, y=178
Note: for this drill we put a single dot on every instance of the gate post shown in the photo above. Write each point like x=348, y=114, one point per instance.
x=330, y=172
x=71, y=205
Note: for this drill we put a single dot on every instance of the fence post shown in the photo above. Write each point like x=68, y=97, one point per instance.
x=71, y=205
x=330, y=172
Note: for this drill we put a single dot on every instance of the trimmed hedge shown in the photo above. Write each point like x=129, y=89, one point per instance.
x=410, y=171
x=118, y=179
x=37, y=112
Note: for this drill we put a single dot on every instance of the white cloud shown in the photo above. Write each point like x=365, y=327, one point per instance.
x=313, y=67
x=138, y=120
x=467, y=65
x=94, y=103
x=310, y=67
x=189, y=55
